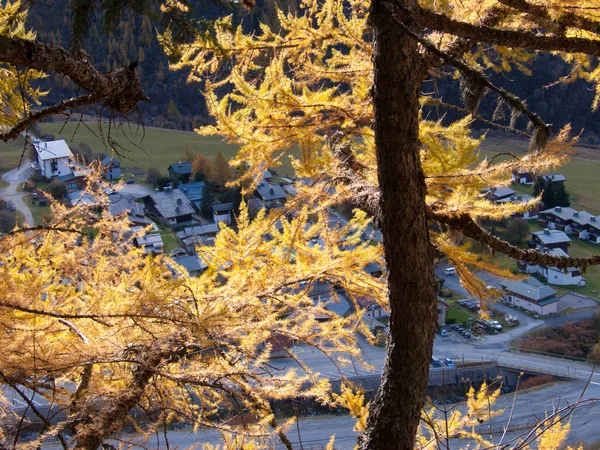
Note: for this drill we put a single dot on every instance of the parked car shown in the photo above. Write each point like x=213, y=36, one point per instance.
x=449, y=271
x=435, y=362
x=443, y=333
x=130, y=181
x=449, y=363
x=468, y=335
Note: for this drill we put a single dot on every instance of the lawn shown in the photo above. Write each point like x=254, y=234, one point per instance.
x=460, y=314
x=152, y=147
x=582, y=174
x=10, y=154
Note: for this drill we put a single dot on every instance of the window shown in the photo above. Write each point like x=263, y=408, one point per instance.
x=71, y=185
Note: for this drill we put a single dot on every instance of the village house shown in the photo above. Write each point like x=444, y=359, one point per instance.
x=496, y=194
x=562, y=277
x=530, y=294
x=559, y=217
x=223, y=212
x=52, y=158
x=111, y=168
x=592, y=230
x=75, y=180
x=550, y=239
x=170, y=207
x=180, y=170
x=272, y=195
x=194, y=265
x=198, y=236
x=554, y=178
x=151, y=243
x=522, y=177
x=579, y=222
x=193, y=192
x=121, y=204
x=530, y=214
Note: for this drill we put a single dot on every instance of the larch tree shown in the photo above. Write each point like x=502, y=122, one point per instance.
x=105, y=334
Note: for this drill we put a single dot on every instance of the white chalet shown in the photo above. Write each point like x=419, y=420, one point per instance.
x=562, y=277
x=52, y=158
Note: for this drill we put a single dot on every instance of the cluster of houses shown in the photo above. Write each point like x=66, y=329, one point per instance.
x=581, y=224
x=503, y=194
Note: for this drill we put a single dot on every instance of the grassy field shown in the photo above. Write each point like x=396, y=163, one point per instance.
x=10, y=154
x=158, y=147
x=581, y=171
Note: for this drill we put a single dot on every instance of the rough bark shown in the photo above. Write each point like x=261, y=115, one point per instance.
x=120, y=88
x=399, y=71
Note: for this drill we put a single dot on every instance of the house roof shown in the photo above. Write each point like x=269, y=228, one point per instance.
x=270, y=192
x=516, y=199
x=191, y=263
x=52, y=149
x=551, y=236
x=554, y=177
x=366, y=302
x=198, y=230
x=181, y=167
x=500, y=192
x=72, y=176
x=564, y=212
x=193, y=191
x=110, y=161
x=222, y=207
x=171, y=203
x=121, y=203
x=594, y=222
x=154, y=240
x=531, y=289
x=581, y=217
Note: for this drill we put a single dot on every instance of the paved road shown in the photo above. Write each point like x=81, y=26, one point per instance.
x=14, y=178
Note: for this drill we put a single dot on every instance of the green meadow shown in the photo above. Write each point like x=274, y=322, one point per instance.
x=145, y=148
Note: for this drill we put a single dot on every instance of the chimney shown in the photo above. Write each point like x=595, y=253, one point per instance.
x=546, y=231
x=557, y=209
x=575, y=214
x=592, y=219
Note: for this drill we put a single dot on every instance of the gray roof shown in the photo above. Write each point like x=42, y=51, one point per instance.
x=181, y=167
x=564, y=212
x=120, y=203
x=554, y=177
x=171, y=203
x=110, y=161
x=501, y=192
x=581, y=217
x=191, y=263
x=154, y=240
x=222, y=207
x=193, y=191
x=529, y=288
x=594, y=222
x=551, y=236
x=198, y=230
x=270, y=192
x=516, y=199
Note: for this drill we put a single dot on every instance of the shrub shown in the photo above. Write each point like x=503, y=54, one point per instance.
x=57, y=189
x=8, y=220
x=29, y=185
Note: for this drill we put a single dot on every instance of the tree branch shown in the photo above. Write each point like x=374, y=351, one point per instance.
x=467, y=226
x=539, y=14
x=60, y=107
x=507, y=38
x=470, y=73
x=120, y=89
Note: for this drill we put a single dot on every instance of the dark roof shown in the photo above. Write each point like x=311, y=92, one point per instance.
x=500, y=192
x=183, y=168
x=222, y=207
x=110, y=161
x=191, y=263
x=193, y=191
x=198, y=230
x=171, y=203
x=72, y=176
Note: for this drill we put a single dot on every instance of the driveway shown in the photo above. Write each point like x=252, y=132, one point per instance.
x=14, y=178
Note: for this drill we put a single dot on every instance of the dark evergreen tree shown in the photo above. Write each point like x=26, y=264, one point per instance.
x=561, y=196
x=208, y=198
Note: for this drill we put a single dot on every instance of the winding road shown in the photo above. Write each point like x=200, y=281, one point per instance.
x=14, y=178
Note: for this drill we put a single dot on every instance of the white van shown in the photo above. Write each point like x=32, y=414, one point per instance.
x=450, y=271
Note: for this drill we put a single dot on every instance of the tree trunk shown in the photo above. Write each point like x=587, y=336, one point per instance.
x=399, y=72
